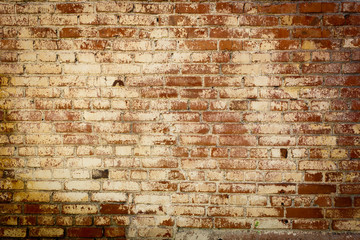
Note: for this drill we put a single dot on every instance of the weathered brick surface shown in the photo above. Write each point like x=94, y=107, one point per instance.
x=152, y=119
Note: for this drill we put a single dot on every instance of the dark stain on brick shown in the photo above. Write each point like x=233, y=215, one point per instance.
x=283, y=152
x=118, y=82
x=9, y=174
x=97, y=174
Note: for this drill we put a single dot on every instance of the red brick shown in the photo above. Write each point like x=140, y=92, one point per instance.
x=231, y=45
x=114, y=209
x=230, y=7
x=73, y=8
x=228, y=33
x=198, y=8
x=183, y=81
x=316, y=189
x=310, y=224
x=304, y=213
x=41, y=209
x=318, y=7
x=86, y=232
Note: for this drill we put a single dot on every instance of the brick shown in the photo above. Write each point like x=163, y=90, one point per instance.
x=276, y=188
x=236, y=188
x=13, y=232
x=304, y=213
x=46, y=232
x=318, y=7
x=198, y=45
x=238, y=140
x=194, y=222
x=265, y=212
x=84, y=232
x=41, y=209
x=79, y=209
x=316, y=189
x=310, y=224
x=192, y=8
x=108, y=197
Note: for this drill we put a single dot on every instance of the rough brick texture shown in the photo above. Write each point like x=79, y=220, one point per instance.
x=146, y=119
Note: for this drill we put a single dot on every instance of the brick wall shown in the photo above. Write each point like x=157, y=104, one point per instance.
x=144, y=119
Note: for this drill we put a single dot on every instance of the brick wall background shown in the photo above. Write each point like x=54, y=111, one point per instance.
x=142, y=119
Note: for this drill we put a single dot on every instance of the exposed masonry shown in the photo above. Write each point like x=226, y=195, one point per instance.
x=177, y=120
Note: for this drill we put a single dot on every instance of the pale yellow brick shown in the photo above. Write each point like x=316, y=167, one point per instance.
x=45, y=68
x=142, y=151
x=271, y=224
x=43, y=139
x=123, y=151
x=4, y=139
x=11, y=184
x=239, y=57
x=275, y=189
x=138, y=175
x=154, y=232
x=161, y=57
x=84, y=162
x=160, y=151
x=44, y=185
x=86, y=57
x=214, y=175
x=338, y=153
x=14, y=232
x=45, y=151
x=351, y=43
x=81, y=104
x=101, y=104
x=109, y=197
x=102, y=116
x=121, y=69
x=70, y=197
x=259, y=105
x=317, y=165
x=7, y=151
x=82, y=185
x=237, y=200
x=64, y=151
x=143, y=57
x=299, y=153
x=104, y=150
x=292, y=177
x=80, y=173
x=85, y=150
x=79, y=209
x=157, y=175
x=152, y=199
x=119, y=174
x=47, y=56
x=61, y=173
x=121, y=186
x=27, y=57
x=42, y=174
x=144, y=221
x=273, y=176
x=85, y=69
x=257, y=200
x=27, y=151
x=65, y=57
x=31, y=197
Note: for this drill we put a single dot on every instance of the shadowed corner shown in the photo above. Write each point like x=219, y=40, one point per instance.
x=8, y=152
